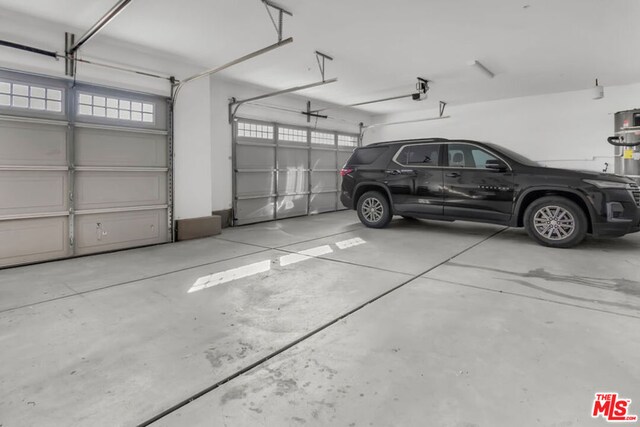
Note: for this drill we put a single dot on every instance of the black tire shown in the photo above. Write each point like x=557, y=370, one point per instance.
x=373, y=210
x=556, y=222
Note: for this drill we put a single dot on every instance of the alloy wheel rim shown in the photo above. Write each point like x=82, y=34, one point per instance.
x=554, y=223
x=372, y=209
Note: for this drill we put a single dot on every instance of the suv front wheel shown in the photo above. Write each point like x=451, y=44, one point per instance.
x=373, y=210
x=556, y=222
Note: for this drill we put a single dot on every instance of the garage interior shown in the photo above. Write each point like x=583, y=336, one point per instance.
x=174, y=251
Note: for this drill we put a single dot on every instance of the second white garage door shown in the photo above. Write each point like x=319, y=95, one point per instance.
x=282, y=171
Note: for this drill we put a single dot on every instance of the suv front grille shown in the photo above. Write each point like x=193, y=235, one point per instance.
x=635, y=193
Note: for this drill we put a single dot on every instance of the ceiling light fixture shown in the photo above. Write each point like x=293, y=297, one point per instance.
x=480, y=67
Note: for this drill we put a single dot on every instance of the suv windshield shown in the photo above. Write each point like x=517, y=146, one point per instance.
x=512, y=154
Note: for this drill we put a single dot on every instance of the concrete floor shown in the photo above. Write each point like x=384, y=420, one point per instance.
x=320, y=321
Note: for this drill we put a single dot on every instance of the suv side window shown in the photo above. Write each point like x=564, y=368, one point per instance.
x=419, y=155
x=468, y=156
x=365, y=155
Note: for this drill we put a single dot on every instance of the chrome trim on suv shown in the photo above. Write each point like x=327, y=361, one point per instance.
x=447, y=143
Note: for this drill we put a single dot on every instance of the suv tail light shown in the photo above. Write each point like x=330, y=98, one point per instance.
x=345, y=171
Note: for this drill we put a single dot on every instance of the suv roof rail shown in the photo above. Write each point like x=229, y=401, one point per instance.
x=400, y=141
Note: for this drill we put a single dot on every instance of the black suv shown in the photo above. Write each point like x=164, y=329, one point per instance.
x=466, y=180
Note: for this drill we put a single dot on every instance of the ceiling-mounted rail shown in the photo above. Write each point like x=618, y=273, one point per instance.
x=279, y=26
x=422, y=87
x=112, y=13
x=321, y=63
x=179, y=86
x=235, y=103
x=57, y=56
x=365, y=128
x=72, y=46
x=426, y=119
x=29, y=49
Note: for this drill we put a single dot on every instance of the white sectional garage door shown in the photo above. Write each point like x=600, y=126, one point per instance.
x=83, y=169
x=282, y=171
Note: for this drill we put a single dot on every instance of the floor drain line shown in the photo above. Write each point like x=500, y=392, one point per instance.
x=306, y=336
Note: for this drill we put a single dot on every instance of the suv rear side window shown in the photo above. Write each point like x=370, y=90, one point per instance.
x=366, y=156
x=419, y=155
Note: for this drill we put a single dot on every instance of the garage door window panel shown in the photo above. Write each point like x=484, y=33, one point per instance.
x=116, y=108
x=23, y=96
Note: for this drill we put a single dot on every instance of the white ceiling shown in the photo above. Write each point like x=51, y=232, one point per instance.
x=380, y=47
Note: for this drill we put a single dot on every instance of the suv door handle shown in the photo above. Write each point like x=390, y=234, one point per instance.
x=453, y=174
x=393, y=172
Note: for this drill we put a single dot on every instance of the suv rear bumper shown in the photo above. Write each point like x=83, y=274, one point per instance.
x=345, y=198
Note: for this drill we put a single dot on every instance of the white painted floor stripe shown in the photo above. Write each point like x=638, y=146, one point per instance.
x=262, y=266
x=350, y=243
x=305, y=255
x=229, y=275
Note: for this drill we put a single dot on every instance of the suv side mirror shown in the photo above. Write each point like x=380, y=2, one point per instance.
x=496, y=165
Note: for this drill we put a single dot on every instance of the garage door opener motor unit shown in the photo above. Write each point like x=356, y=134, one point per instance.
x=627, y=143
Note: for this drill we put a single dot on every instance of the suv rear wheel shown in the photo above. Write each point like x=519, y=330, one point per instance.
x=373, y=210
x=556, y=222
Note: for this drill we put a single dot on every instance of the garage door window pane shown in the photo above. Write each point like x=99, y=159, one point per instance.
x=21, y=90
x=115, y=108
x=37, y=104
x=19, y=95
x=85, y=99
x=54, y=94
x=85, y=110
x=20, y=102
x=254, y=130
x=322, y=138
x=54, y=106
x=292, y=135
x=347, y=141
x=38, y=92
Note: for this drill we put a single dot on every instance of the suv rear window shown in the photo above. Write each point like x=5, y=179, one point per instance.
x=366, y=156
